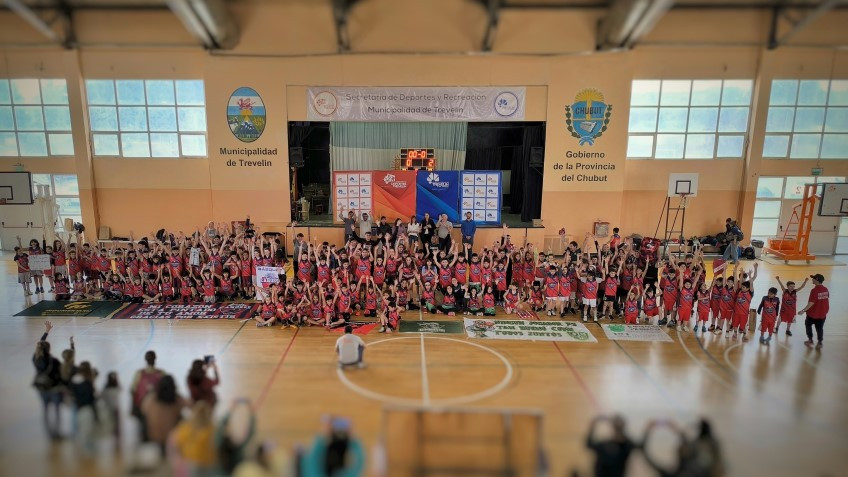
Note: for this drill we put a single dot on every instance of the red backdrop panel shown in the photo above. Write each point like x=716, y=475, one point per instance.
x=394, y=194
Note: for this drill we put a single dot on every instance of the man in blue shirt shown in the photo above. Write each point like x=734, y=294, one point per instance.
x=468, y=228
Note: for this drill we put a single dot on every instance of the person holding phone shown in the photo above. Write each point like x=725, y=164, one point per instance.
x=200, y=386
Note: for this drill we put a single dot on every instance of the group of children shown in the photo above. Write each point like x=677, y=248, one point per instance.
x=383, y=279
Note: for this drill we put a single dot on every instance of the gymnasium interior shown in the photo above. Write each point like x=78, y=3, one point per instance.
x=548, y=122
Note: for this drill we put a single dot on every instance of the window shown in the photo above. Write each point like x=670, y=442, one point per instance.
x=807, y=119
x=688, y=119
x=147, y=118
x=66, y=190
x=35, y=120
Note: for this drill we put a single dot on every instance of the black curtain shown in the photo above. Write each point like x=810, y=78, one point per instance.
x=484, y=159
x=531, y=180
x=314, y=138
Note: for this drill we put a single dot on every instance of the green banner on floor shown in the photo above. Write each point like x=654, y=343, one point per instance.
x=99, y=309
x=436, y=327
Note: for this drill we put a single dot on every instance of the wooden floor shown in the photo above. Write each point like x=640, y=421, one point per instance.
x=779, y=410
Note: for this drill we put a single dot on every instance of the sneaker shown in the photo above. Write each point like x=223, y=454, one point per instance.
x=662, y=322
x=382, y=329
x=717, y=332
x=258, y=324
x=360, y=365
x=686, y=328
x=744, y=338
x=788, y=333
x=704, y=329
x=808, y=343
x=768, y=340
x=677, y=327
x=595, y=319
x=584, y=319
x=820, y=345
x=712, y=327
x=762, y=340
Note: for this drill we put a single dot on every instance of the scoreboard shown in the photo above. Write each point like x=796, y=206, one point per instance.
x=417, y=159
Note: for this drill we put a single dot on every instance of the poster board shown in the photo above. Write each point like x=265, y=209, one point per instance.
x=352, y=191
x=394, y=194
x=481, y=195
x=437, y=193
x=39, y=262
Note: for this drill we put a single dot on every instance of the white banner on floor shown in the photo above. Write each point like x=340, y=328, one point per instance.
x=415, y=104
x=619, y=332
x=528, y=330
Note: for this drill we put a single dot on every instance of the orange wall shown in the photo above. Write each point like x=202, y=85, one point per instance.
x=531, y=49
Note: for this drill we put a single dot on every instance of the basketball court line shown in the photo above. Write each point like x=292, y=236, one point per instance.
x=701, y=365
x=226, y=346
x=264, y=393
x=710, y=355
x=662, y=390
x=811, y=363
x=425, y=382
x=387, y=399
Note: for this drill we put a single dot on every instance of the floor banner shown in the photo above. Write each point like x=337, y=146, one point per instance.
x=203, y=311
x=436, y=327
x=528, y=330
x=621, y=332
x=99, y=309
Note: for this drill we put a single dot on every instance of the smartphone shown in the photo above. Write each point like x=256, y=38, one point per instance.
x=208, y=359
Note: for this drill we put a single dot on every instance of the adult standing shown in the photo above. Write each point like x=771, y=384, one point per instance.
x=162, y=410
x=144, y=382
x=468, y=229
x=413, y=230
x=817, y=307
x=299, y=246
x=349, y=221
x=612, y=454
x=200, y=385
x=443, y=229
x=365, y=226
x=428, y=228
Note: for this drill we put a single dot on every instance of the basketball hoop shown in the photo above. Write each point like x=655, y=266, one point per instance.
x=684, y=199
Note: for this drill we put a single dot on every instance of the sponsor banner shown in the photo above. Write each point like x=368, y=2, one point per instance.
x=99, y=309
x=438, y=193
x=394, y=194
x=481, y=195
x=528, y=330
x=172, y=311
x=352, y=190
x=415, y=103
x=39, y=262
x=636, y=333
x=435, y=327
x=718, y=265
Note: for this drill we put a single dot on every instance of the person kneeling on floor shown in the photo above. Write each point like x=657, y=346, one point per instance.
x=350, y=349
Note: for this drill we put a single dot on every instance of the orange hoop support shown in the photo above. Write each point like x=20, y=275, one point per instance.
x=789, y=247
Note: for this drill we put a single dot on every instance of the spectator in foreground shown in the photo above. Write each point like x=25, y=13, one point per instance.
x=232, y=444
x=698, y=457
x=817, y=307
x=162, y=410
x=47, y=381
x=611, y=455
x=336, y=454
x=200, y=385
x=191, y=444
x=350, y=349
x=144, y=382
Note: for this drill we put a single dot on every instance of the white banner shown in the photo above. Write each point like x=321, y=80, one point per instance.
x=415, y=104
x=267, y=276
x=528, y=330
x=39, y=262
x=636, y=333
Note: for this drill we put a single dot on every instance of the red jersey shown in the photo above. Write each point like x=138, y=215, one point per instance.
x=488, y=301
x=460, y=271
x=323, y=274
x=476, y=273
x=304, y=271
x=590, y=289
x=208, y=287
x=789, y=306
x=552, y=286
x=631, y=311
x=610, y=286
x=687, y=299
x=58, y=258
x=743, y=303
x=175, y=263
x=510, y=299
x=62, y=287
x=363, y=268
x=445, y=275
x=379, y=274
x=500, y=279
x=769, y=308
x=820, y=298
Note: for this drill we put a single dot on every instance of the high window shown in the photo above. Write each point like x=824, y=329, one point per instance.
x=66, y=190
x=147, y=118
x=35, y=120
x=688, y=119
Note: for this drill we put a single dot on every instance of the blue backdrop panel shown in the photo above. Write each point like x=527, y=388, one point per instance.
x=438, y=193
x=481, y=195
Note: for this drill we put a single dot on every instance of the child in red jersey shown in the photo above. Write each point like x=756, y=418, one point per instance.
x=266, y=314
x=768, y=308
x=728, y=298
x=704, y=298
x=511, y=298
x=742, y=305
x=631, y=306
x=552, y=290
x=788, y=305
x=448, y=305
x=590, y=280
x=649, y=304
x=610, y=288
x=62, y=287
x=715, y=301
x=22, y=261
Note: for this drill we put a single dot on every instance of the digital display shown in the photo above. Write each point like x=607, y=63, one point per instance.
x=417, y=159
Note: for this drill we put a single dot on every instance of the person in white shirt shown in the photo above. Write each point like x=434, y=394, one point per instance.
x=350, y=349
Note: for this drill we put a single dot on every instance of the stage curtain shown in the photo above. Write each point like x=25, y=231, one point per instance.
x=531, y=182
x=358, y=146
x=485, y=159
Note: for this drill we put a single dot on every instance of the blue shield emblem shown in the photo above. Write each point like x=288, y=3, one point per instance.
x=587, y=118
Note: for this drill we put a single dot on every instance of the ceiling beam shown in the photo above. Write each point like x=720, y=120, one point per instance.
x=493, y=13
x=812, y=16
x=33, y=19
x=207, y=20
x=627, y=21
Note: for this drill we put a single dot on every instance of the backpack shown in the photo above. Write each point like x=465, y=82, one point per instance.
x=147, y=382
x=748, y=253
x=738, y=233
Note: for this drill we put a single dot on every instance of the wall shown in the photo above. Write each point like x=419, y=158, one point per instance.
x=287, y=46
